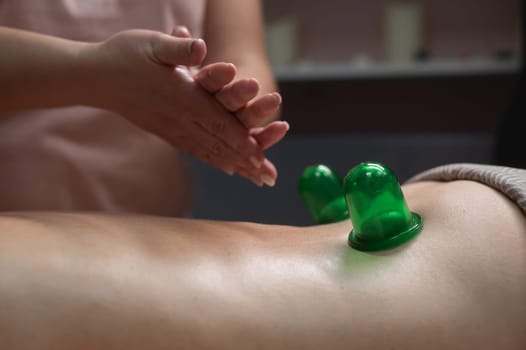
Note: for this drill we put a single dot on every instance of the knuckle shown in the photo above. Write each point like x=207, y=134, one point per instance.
x=155, y=38
x=208, y=75
x=258, y=110
x=236, y=99
x=237, y=144
x=155, y=45
x=217, y=126
x=243, y=115
x=217, y=149
x=228, y=102
x=239, y=96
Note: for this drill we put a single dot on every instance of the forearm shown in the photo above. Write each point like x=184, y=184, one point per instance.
x=40, y=71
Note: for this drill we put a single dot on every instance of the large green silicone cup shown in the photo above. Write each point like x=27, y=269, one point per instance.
x=379, y=213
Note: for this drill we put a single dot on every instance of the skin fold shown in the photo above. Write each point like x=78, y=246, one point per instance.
x=96, y=281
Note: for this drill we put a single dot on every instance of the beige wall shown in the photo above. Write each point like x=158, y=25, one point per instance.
x=339, y=30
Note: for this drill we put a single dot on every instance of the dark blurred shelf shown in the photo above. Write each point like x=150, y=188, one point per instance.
x=416, y=99
x=393, y=71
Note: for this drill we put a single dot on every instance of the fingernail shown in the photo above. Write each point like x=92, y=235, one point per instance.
x=191, y=46
x=269, y=181
x=193, y=43
x=255, y=162
x=256, y=181
x=229, y=172
x=287, y=125
x=278, y=97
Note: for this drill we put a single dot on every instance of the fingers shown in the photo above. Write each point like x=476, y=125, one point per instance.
x=235, y=136
x=267, y=176
x=266, y=137
x=271, y=134
x=216, y=152
x=260, y=111
x=223, y=125
x=247, y=161
x=172, y=51
x=214, y=77
x=235, y=96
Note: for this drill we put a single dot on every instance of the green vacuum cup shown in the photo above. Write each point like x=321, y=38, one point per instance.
x=322, y=192
x=378, y=210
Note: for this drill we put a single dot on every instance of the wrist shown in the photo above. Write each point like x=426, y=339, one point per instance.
x=90, y=78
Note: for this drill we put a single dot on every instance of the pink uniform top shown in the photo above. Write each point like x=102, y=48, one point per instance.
x=82, y=158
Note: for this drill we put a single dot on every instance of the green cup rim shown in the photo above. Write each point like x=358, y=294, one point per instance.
x=388, y=243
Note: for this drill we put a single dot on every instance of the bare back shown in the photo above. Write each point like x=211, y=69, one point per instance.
x=82, y=281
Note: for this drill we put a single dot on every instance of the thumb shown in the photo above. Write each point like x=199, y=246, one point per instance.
x=173, y=51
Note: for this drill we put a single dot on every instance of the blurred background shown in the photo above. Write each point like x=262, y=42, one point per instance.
x=411, y=83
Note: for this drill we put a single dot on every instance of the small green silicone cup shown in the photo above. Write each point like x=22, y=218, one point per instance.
x=322, y=192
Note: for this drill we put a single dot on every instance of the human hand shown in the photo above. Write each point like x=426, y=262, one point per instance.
x=141, y=75
x=239, y=97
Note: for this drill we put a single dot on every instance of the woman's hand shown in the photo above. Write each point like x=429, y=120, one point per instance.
x=142, y=76
x=240, y=98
